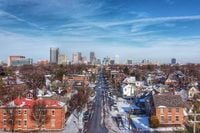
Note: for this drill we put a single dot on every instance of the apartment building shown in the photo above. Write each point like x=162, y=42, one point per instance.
x=169, y=108
x=22, y=111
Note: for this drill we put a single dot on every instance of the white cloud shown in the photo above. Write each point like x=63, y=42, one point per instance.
x=152, y=20
x=4, y=14
x=171, y=2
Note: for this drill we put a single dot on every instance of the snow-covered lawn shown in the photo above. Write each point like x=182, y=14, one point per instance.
x=141, y=122
x=72, y=124
x=123, y=106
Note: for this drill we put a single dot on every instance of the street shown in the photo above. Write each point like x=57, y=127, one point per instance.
x=96, y=125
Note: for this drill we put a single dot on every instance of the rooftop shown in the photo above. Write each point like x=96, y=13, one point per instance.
x=168, y=100
x=25, y=102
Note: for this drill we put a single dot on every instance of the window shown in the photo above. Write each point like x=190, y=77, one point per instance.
x=19, y=112
x=19, y=122
x=4, y=122
x=44, y=111
x=53, y=123
x=52, y=112
x=11, y=121
x=25, y=112
x=4, y=112
x=25, y=122
x=169, y=118
x=177, y=118
x=162, y=118
x=177, y=110
x=169, y=110
x=161, y=110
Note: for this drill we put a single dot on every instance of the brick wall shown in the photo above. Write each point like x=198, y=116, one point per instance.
x=164, y=116
x=58, y=119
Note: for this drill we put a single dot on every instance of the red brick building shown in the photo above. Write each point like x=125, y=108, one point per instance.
x=169, y=109
x=23, y=110
x=76, y=81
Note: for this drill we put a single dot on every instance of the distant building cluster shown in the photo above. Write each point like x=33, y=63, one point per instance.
x=56, y=57
x=77, y=58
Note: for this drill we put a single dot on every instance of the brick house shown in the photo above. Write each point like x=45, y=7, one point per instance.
x=23, y=110
x=169, y=109
x=76, y=81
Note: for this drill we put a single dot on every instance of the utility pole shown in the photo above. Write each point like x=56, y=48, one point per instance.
x=195, y=121
x=194, y=125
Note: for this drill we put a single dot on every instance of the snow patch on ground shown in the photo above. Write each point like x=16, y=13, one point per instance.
x=72, y=124
x=141, y=122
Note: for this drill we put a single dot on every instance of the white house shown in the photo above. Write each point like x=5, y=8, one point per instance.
x=129, y=87
x=139, y=83
x=129, y=80
x=129, y=90
x=192, y=91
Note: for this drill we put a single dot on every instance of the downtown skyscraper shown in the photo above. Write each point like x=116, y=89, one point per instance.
x=54, y=53
x=77, y=58
x=92, y=58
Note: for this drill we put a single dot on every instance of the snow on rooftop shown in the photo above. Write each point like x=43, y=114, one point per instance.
x=161, y=106
x=61, y=104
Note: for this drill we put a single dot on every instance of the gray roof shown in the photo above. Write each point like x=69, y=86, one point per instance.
x=168, y=100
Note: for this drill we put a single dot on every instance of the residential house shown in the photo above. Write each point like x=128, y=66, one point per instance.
x=169, y=109
x=155, y=77
x=76, y=80
x=139, y=84
x=23, y=119
x=129, y=87
x=170, y=81
x=161, y=88
x=175, y=78
x=192, y=91
x=183, y=93
x=129, y=91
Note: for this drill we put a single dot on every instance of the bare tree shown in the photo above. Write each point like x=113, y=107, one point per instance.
x=34, y=79
x=11, y=117
x=40, y=114
x=78, y=102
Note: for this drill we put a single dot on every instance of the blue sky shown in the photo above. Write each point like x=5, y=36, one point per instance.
x=133, y=29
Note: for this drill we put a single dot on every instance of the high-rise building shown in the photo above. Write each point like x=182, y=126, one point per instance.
x=22, y=62
x=62, y=59
x=92, y=58
x=14, y=58
x=84, y=60
x=173, y=61
x=98, y=61
x=54, y=52
x=112, y=62
x=129, y=62
x=106, y=61
x=19, y=61
x=77, y=58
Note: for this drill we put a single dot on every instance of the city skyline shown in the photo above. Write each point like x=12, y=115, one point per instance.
x=134, y=29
